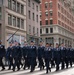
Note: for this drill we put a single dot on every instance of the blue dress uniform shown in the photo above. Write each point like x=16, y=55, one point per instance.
x=70, y=56
x=41, y=56
x=67, y=57
x=9, y=56
x=73, y=55
x=63, y=54
x=24, y=53
x=57, y=57
x=47, y=57
x=16, y=54
x=32, y=54
x=2, y=54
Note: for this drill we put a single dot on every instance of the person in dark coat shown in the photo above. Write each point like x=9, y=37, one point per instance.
x=32, y=55
x=52, y=61
x=63, y=55
x=9, y=55
x=67, y=57
x=41, y=55
x=2, y=54
x=24, y=53
x=16, y=54
x=47, y=57
x=70, y=55
x=57, y=56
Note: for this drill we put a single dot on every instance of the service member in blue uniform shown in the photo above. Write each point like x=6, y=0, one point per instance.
x=24, y=53
x=67, y=57
x=63, y=55
x=16, y=53
x=2, y=54
x=41, y=55
x=20, y=55
x=57, y=56
x=47, y=57
x=52, y=61
x=32, y=55
x=71, y=55
x=9, y=55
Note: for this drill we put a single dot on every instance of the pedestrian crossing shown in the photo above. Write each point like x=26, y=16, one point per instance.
x=69, y=71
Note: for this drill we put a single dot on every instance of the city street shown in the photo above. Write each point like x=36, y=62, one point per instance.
x=69, y=71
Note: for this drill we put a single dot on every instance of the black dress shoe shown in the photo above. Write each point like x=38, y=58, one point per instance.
x=31, y=71
x=57, y=70
x=47, y=72
x=18, y=69
x=13, y=70
x=50, y=69
x=3, y=69
x=9, y=68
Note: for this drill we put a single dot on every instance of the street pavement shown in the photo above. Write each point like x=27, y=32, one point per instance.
x=69, y=71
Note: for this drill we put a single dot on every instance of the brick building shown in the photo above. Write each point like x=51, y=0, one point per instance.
x=57, y=21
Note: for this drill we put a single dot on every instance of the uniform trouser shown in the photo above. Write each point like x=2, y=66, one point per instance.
x=67, y=62
x=52, y=63
x=16, y=63
x=70, y=60
x=41, y=64
x=27, y=63
x=20, y=63
x=47, y=62
x=10, y=62
x=32, y=63
x=57, y=62
x=62, y=63
x=1, y=63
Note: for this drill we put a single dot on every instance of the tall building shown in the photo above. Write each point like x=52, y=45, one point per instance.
x=57, y=21
x=12, y=20
x=33, y=20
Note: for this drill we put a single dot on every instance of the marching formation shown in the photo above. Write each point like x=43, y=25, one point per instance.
x=45, y=57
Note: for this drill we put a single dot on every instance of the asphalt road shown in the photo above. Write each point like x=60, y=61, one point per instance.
x=69, y=71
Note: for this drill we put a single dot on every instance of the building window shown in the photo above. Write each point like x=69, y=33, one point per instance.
x=50, y=4
x=22, y=23
x=40, y=31
x=29, y=3
x=51, y=13
x=46, y=13
x=29, y=14
x=40, y=22
x=51, y=21
x=14, y=21
x=34, y=30
x=9, y=4
x=51, y=30
x=33, y=17
x=29, y=29
x=18, y=22
x=46, y=21
x=18, y=7
x=33, y=5
x=37, y=31
x=46, y=30
x=14, y=5
x=0, y=13
x=46, y=5
x=59, y=6
x=40, y=14
x=22, y=9
x=37, y=18
x=9, y=19
x=37, y=8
